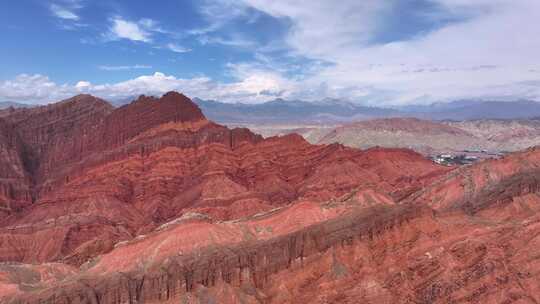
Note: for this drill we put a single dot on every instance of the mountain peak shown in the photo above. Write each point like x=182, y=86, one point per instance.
x=84, y=98
x=172, y=104
x=174, y=94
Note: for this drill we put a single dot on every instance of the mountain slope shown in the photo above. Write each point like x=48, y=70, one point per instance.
x=101, y=175
x=341, y=251
x=420, y=135
x=474, y=110
x=170, y=207
x=505, y=135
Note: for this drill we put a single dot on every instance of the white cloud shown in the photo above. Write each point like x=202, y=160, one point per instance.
x=320, y=28
x=177, y=48
x=218, y=13
x=256, y=82
x=32, y=88
x=152, y=26
x=142, y=30
x=495, y=33
x=82, y=85
x=63, y=12
x=149, y=84
x=124, y=67
x=252, y=85
x=123, y=29
x=489, y=51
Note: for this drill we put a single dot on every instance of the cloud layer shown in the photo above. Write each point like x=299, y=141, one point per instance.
x=482, y=49
x=495, y=34
x=252, y=86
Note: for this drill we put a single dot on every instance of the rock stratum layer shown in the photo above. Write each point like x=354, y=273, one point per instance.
x=152, y=203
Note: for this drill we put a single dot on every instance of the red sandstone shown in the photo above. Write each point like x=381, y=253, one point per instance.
x=152, y=203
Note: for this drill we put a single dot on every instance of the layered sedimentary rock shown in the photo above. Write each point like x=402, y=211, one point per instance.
x=15, y=183
x=152, y=203
x=238, y=254
x=96, y=176
x=479, y=187
x=336, y=252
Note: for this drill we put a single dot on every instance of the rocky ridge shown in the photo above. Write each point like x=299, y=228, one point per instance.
x=103, y=175
x=187, y=210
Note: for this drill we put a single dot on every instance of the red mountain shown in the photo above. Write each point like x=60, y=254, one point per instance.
x=152, y=203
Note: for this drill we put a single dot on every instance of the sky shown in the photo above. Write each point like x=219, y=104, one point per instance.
x=371, y=52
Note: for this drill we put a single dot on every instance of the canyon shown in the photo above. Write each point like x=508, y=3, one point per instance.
x=152, y=202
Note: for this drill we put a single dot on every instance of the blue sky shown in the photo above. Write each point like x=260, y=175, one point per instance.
x=372, y=52
x=83, y=43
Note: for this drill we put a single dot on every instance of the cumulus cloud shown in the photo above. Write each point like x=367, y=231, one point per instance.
x=255, y=82
x=250, y=86
x=82, y=85
x=32, y=88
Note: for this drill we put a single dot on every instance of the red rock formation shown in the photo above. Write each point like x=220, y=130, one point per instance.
x=15, y=190
x=100, y=176
x=340, y=252
x=152, y=203
x=475, y=188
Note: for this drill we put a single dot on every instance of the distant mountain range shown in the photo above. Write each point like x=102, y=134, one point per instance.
x=333, y=111
x=7, y=104
x=329, y=111
x=284, y=111
x=424, y=136
x=469, y=110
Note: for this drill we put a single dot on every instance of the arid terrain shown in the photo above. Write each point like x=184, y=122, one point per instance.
x=424, y=136
x=270, y=152
x=153, y=203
